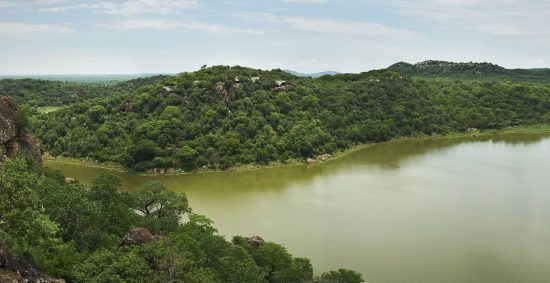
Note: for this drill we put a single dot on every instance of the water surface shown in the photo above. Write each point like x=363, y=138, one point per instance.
x=419, y=210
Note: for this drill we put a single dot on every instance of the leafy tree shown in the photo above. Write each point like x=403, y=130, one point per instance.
x=24, y=225
x=162, y=208
x=340, y=276
x=115, y=208
x=114, y=265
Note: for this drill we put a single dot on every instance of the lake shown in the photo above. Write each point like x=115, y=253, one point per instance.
x=414, y=210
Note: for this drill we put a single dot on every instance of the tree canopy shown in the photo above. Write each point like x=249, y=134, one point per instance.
x=219, y=117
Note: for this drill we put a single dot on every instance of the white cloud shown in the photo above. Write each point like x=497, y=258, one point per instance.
x=127, y=8
x=23, y=3
x=7, y=4
x=162, y=24
x=528, y=18
x=135, y=7
x=333, y=26
x=24, y=30
x=307, y=1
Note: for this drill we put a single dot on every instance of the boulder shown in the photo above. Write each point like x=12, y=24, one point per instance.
x=31, y=145
x=12, y=138
x=70, y=180
x=255, y=241
x=324, y=157
x=12, y=147
x=137, y=237
x=310, y=161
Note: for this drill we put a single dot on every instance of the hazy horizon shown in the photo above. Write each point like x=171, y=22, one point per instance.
x=147, y=74
x=172, y=36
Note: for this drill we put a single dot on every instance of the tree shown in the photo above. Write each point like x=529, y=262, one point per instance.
x=162, y=208
x=187, y=156
x=115, y=213
x=96, y=112
x=23, y=223
x=115, y=265
x=340, y=276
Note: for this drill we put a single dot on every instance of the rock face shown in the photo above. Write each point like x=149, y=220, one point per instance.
x=8, y=117
x=13, y=139
x=138, y=237
x=14, y=270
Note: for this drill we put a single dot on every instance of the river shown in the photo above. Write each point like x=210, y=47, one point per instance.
x=415, y=210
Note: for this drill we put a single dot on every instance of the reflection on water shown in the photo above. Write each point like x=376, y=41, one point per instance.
x=418, y=210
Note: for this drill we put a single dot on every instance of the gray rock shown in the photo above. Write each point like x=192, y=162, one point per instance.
x=255, y=241
x=137, y=237
x=8, y=116
x=12, y=138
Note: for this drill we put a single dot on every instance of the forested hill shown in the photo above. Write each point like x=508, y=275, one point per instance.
x=481, y=71
x=221, y=117
x=42, y=93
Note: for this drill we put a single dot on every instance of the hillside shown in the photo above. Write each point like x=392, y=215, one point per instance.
x=222, y=117
x=312, y=75
x=481, y=71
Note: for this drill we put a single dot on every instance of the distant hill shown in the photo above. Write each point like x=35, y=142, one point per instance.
x=312, y=75
x=444, y=69
x=82, y=78
x=47, y=92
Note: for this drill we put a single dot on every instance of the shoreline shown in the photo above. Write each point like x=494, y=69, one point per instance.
x=336, y=155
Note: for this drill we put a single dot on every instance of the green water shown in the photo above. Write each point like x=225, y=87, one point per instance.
x=432, y=210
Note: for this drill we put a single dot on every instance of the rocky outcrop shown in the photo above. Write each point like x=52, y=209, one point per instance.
x=8, y=118
x=138, y=237
x=255, y=241
x=14, y=269
x=13, y=137
x=320, y=158
x=220, y=89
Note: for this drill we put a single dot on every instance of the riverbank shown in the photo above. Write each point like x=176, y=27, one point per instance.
x=338, y=154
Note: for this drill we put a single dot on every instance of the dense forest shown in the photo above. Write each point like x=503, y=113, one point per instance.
x=221, y=117
x=43, y=93
x=87, y=234
x=471, y=70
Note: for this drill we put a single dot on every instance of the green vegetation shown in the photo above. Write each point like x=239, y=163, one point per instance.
x=219, y=117
x=75, y=232
x=478, y=71
x=44, y=94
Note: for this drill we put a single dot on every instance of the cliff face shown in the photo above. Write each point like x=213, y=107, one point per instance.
x=13, y=138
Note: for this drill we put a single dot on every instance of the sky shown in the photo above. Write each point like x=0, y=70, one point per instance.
x=172, y=36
